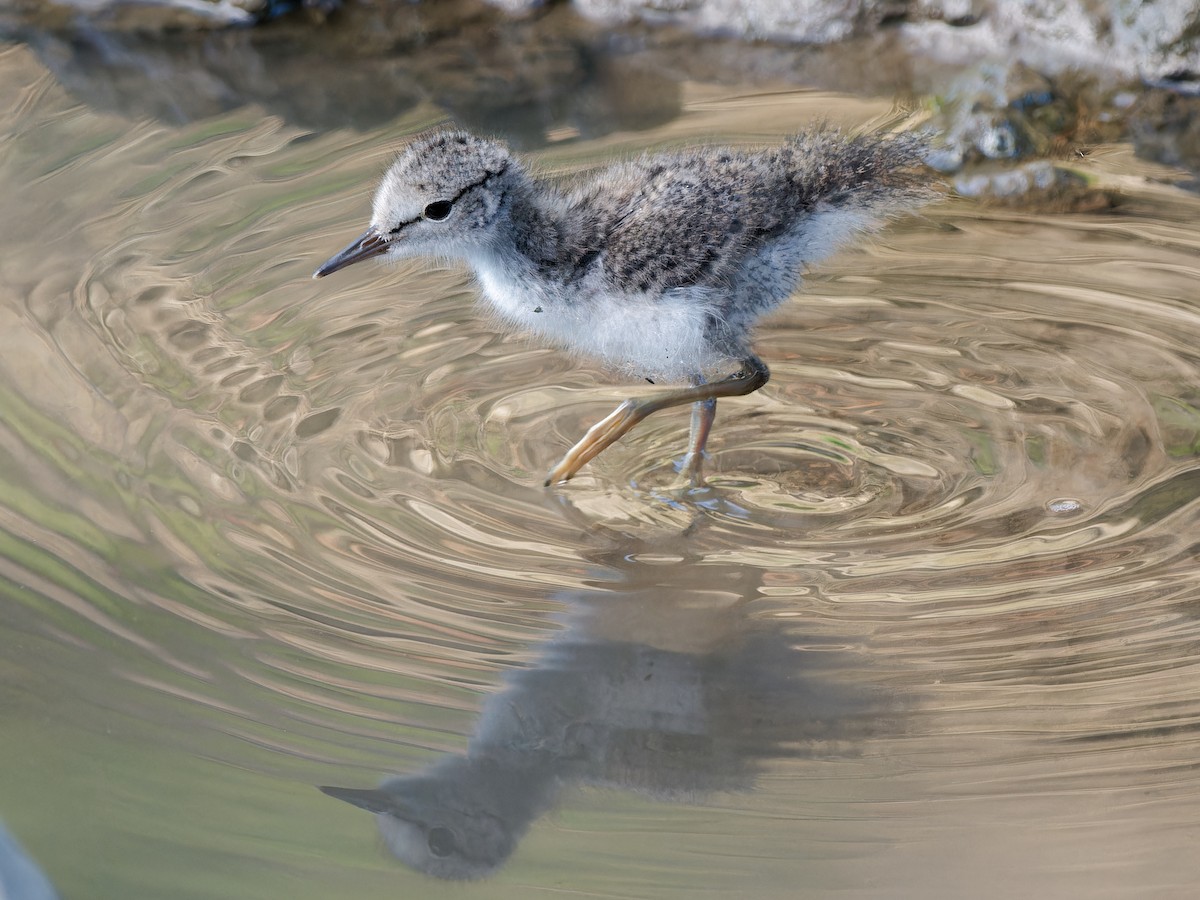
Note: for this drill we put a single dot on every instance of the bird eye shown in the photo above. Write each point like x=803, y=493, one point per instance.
x=437, y=210
x=441, y=840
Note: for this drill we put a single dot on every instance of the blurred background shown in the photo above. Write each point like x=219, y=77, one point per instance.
x=930, y=631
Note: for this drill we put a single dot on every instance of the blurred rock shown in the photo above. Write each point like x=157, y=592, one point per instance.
x=807, y=21
x=1120, y=39
x=1112, y=39
x=148, y=14
x=1123, y=38
x=994, y=113
x=1006, y=80
x=1165, y=126
x=523, y=77
x=1039, y=185
x=164, y=15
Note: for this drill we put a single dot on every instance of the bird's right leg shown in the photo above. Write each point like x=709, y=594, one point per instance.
x=752, y=375
x=703, y=413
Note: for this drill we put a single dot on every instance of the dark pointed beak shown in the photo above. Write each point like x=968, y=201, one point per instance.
x=372, y=243
x=372, y=800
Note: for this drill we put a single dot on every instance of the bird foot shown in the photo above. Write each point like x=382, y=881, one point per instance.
x=692, y=467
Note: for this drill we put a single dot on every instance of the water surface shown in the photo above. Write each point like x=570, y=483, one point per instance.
x=931, y=631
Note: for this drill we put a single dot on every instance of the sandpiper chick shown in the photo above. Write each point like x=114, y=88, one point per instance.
x=659, y=266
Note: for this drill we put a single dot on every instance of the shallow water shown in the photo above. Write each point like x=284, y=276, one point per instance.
x=930, y=632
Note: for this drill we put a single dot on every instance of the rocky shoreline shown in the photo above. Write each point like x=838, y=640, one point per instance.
x=1017, y=90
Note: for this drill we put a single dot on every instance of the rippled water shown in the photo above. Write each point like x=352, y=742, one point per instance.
x=930, y=632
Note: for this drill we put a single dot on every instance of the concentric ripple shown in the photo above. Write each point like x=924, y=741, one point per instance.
x=927, y=410
x=957, y=409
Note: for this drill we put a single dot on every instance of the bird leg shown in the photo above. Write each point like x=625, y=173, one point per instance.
x=752, y=375
x=703, y=413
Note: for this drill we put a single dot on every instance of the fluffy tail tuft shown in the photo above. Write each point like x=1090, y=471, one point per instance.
x=881, y=174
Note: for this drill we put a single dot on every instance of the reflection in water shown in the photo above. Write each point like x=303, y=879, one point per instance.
x=523, y=77
x=661, y=683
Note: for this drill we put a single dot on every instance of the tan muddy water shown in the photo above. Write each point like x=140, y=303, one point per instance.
x=931, y=632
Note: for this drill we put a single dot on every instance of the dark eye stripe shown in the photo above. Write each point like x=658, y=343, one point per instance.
x=488, y=176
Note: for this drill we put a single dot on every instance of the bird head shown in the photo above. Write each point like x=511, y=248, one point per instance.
x=442, y=196
x=445, y=824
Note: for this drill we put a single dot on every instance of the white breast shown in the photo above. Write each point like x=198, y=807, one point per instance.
x=653, y=336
